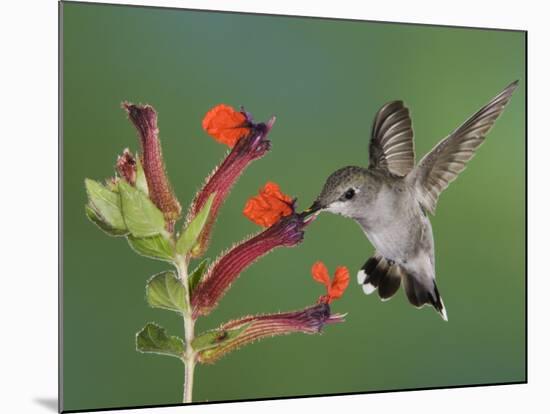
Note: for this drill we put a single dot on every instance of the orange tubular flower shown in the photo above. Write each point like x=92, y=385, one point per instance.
x=285, y=227
x=287, y=232
x=310, y=320
x=249, y=142
x=226, y=125
x=339, y=283
x=269, y=206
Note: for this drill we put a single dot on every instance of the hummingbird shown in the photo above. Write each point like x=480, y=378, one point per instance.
x=391, y=198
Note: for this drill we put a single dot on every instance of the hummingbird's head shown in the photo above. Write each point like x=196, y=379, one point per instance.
x=345, y=192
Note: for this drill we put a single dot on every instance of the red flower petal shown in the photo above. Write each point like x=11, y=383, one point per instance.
x=269, y=206
x=225, y=124
x=339, y=283
x=273, y=191
x=320, y=274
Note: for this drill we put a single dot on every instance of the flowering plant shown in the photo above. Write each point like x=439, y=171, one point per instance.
x=139, y=204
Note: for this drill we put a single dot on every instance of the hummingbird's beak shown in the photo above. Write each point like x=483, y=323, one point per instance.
x=313, y=210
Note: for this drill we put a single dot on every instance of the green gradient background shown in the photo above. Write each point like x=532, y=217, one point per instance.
x=324, y=79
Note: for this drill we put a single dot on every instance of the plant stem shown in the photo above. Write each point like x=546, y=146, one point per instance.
x=189, y=359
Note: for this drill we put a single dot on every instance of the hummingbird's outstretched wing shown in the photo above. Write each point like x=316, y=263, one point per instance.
x=446, y=160
x=391, y=145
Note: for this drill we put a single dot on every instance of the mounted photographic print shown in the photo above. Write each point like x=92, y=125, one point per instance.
x=262, y=206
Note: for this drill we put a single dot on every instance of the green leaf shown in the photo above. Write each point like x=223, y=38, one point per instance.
x=112, y=185
x=157, y=247
x=164, y=290
x=153, y=339
x=141, y=216
x=190, y=235
x=141, y=181
x=103, y=225
x=196, y=275
x=105, y=205
x=217, y=337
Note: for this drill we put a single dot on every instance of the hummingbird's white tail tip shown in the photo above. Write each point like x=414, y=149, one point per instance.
x=368, y=288
x=361, y=276
x=443, y=311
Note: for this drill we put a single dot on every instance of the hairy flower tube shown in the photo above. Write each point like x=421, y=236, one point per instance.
x=144, y=118
x=310, y=320
x=288, y=232
x=251, y=144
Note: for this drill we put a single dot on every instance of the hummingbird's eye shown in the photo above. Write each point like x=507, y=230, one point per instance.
x=348, y=195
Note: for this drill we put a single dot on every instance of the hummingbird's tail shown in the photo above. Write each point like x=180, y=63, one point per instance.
x=379, y=273
x=382, y=274
x=420, y=294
